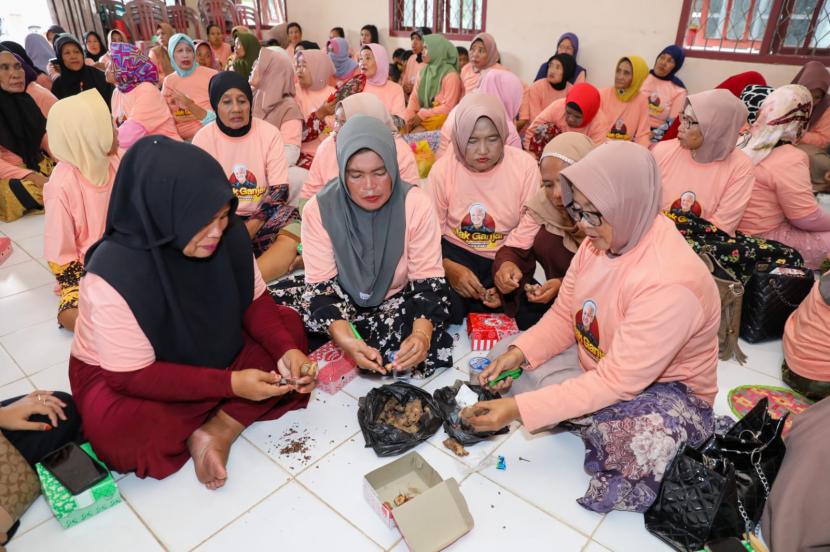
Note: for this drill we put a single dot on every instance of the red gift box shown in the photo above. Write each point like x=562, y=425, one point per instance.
x=335, y=369
x=487, y=329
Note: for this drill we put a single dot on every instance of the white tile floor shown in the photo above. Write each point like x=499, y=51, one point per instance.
x=314, y=501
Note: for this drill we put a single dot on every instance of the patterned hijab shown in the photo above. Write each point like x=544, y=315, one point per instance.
x=783, y=118
x=443, y=60
x=639, y=69
x=753, y=96
x=622, y=180
x=131, y=66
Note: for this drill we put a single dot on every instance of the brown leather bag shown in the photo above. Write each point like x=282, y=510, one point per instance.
x=731, y=293
x=19, y=484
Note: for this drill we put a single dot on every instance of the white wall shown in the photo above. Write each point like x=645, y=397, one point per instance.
x=526, y=32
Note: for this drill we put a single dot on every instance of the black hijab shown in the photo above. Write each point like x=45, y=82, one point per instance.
x=568, y=69
x=90, y=55
x=190, y=309
x=19, y=50
x=221, y=83
x=22, y=126
x=70, y=82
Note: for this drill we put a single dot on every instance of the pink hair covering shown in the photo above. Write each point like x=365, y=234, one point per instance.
x=509, y=90
x=783, y=117
x=215, y=63
x=131, y=66
x=491, y=48
x=721, y=117
x=622, y=180
x=382, y=62
x=275, y=92
x=319, y=64
x=469, y=110
x=814, y=76
x=366, y=103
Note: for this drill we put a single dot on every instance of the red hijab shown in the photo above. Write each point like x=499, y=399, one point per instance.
x=586, y=96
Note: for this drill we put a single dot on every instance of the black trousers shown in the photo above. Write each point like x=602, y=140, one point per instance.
x=34, y=445
x=526, y=316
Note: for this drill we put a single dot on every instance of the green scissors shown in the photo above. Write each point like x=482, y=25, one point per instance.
x=508, y=374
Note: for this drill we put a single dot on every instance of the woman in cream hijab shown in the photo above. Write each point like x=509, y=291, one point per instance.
x=556, y=235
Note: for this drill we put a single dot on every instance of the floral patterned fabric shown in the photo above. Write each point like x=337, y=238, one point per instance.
x=277, y=214
x=69, y=278
x=739, y=254
x=383, y=327
x=630, y=444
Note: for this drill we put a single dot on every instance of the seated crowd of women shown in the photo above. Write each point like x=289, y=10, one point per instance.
x=181, y=185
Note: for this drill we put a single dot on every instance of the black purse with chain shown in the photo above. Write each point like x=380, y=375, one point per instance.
x=772, y=294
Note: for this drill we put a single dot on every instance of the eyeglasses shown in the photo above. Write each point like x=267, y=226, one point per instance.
x=593, y=218
x=687, y=122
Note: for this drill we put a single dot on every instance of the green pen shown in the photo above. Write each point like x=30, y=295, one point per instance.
x=354, y=331
x=299, y=249
x=508, y=374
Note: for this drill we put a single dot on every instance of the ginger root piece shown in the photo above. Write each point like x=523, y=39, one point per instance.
x=457, y=448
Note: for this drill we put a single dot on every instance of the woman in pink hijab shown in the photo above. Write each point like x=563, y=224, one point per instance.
x=373, y=62
x=627, y=356
x=484, y=55
x=509, y=90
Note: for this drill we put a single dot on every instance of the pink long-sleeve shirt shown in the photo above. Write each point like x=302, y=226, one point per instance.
x=782, y=191
x=479, y=211
x=819, y=134
x=718, y=191
x=107, y=333
x=650, y=315
x=470, y=77
x=76, y=212
x=324, y=167
x=145, y=105
x=626, y=120
x=391, y=95
x=253, y=162
x=555, y=114
x=421, y=256
x=195, y=87
x=448, y=97
x=664, y=98
x=42, y=97
x=537, y=97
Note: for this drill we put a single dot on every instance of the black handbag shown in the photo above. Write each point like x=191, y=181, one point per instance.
x=772, y=294
x=719, y=489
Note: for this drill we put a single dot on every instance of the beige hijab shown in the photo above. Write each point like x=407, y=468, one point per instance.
x=80, y=134
x=278, y=33
x=721, y=117
x=274, y=97
x=568, y=147
x=467, y=113
x=366, y=103
x=490, y=46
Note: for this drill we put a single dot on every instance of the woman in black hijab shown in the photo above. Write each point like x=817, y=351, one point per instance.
x=187, y=344
x=75, y=74
x=93, y=51
x=22, y=130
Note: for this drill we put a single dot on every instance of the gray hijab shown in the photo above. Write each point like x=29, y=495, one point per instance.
x=367, y=244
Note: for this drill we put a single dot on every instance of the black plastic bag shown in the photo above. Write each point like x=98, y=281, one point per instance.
x=385, y=439
x=451, y=413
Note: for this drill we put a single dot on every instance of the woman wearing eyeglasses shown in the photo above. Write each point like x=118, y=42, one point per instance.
x=702, y=170
x=627, y=355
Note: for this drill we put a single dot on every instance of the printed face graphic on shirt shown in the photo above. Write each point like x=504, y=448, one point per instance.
x=244, y=185
x=619, y=131
x=586, y=329
x=478, y=229
x=654, y=103
x=687, y=203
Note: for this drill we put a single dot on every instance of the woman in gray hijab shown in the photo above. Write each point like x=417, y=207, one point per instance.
x=374, y=277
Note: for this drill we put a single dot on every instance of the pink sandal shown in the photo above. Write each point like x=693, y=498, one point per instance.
x=5, y=248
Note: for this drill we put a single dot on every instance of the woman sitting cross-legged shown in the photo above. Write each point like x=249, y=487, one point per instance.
x=177, y=346
x=372, y=253
x=627, y=356
x=252, y=153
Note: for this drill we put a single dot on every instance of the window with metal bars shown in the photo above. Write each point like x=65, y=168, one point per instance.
x=776, y=31
x=456, y=19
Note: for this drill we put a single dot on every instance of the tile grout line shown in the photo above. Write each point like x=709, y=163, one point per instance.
x=141, y=519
